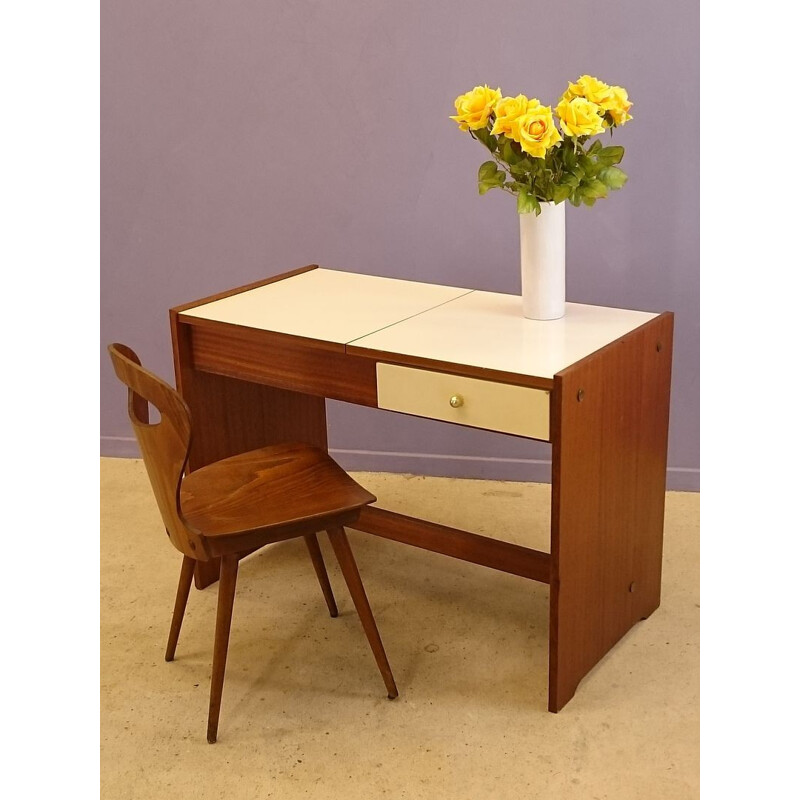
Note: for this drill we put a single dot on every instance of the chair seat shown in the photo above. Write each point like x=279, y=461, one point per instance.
x=275, y=486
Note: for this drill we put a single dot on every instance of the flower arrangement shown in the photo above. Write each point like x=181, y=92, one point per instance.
x=531, y=159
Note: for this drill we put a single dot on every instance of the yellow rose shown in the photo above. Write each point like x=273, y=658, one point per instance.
x=618, y=105
x=613, y=100
x=535, y=131
x=475, y=107
x=508, y=110
x=593, y=90
x=580, y=117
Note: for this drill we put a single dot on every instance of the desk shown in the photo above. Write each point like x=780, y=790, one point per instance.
x=255, y=365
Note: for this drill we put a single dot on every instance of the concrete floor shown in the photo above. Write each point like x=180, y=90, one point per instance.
x=304, y=711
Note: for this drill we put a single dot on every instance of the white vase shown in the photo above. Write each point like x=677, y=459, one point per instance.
x=542, y=245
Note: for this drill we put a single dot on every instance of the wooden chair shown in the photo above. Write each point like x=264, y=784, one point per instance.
x=230, y=508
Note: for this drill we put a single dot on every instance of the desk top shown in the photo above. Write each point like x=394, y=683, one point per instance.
x=365, y=313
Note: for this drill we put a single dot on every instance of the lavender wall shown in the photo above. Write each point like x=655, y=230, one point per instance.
x=246, y=137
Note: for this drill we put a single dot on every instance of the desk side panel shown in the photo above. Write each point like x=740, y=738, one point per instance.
x=610, y=419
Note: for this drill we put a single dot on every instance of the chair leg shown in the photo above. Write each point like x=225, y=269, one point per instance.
x=227, y=590
x=184, y=585
x=344, y=555
x=322, y=574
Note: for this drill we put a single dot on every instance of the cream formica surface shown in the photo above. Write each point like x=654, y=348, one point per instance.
x=327, y=305
x=488, y=330
x=442, y=323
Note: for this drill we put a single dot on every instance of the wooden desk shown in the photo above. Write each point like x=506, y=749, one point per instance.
x=255, y=365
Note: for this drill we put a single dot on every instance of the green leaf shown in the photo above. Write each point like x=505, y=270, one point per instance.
x=487, y=170
x=489, y=177
x=571, y=181
x=507, y=152
x=561, y=193
x=485, y=186
x=526, y=202
x=608, y=156
x=483, y=136
x=613, y=177
x=596, y=145
x=593, y=189
x=590, y=166
x=578, y=172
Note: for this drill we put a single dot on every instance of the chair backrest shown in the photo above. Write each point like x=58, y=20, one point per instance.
x=164, y=444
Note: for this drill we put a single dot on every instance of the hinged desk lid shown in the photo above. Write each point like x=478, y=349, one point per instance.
x=327, y=305
x=487, y=330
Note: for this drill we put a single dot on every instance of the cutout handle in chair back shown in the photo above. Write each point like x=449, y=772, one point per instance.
x=164, y=444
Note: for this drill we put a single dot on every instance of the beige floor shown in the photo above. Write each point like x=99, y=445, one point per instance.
x=305, y=714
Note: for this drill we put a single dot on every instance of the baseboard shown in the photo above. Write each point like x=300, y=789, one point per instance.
x=679, y=479
x=683, y=479
x=445, y=466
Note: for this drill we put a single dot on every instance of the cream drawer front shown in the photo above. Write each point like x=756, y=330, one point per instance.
x=467, y=401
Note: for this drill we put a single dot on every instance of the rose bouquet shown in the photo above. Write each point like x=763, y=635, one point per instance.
x=531, y=159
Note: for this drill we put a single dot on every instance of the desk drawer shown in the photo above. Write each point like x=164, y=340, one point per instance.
x=521, y=410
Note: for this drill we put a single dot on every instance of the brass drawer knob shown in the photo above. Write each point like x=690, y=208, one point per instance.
x=456, y=401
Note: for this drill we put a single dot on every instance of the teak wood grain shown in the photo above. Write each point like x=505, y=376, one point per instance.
x=227, y=508
x=323, y=369
x=610, y=418
x=499, y=555
x=464, y=370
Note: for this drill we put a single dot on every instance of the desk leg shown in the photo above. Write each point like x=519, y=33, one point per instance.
x=609, y=419
x=231, y=416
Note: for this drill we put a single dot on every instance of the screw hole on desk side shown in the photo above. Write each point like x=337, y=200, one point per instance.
x=580, y=395
x=632, y=587
x=658, y=347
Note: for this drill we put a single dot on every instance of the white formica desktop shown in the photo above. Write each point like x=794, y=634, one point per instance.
x=255, y=365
